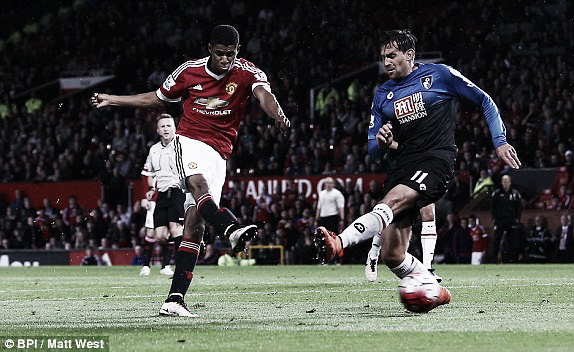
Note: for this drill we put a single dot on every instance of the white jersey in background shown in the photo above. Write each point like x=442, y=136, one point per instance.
x=160, y=163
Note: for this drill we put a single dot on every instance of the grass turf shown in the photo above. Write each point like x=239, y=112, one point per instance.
x=294, y=308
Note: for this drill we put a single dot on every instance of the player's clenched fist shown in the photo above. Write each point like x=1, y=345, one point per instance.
x=385, y=136
x=99, y=100
x=283, y=123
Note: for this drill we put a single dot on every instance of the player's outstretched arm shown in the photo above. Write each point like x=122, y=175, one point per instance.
x=507, y=153
x=271, y=106
x=143, y=100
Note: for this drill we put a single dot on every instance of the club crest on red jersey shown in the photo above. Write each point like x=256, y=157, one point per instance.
x=230, y=88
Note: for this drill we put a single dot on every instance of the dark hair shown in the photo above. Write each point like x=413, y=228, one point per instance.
x=224, y=34
x=402, y=39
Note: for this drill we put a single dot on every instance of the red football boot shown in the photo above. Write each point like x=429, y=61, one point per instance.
x=444, y=296
x=328, y=245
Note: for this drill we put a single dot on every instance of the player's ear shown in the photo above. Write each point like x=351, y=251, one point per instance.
x=237, y=50
x=209, y=48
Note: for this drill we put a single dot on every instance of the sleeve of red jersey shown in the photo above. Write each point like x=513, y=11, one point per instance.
x=259, y=78
x=174, y=85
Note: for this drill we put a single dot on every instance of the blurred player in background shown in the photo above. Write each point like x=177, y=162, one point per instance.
x=214, y=90
x=330, y=207
x=417, y=107
x=479, y=240
x=167, y=209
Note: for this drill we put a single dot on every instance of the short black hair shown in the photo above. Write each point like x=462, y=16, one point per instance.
x=402, y=37
x=224, y=34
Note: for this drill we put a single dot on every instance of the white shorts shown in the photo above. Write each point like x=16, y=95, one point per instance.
x=194, y=157
x=476, y=258
x=149, y=215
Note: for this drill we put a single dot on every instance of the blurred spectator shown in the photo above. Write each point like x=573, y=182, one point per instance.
x=446, y=236
x=48, y=209
x=538, y=242
x=564, y=240
x=462, y=243
x=506, y=213
x=138, y=258
x=18, y=203
x=479, y=240
x=90, y=258
x=484, y=184
x=73, y=213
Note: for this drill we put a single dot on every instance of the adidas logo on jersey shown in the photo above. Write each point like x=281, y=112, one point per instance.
x=197, y=87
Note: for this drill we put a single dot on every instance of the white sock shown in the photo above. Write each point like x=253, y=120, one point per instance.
x=409, y=265
x=367, y=226
x=428, y=242
x=375, y=247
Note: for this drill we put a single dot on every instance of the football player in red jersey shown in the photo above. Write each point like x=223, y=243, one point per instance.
x=214, y=91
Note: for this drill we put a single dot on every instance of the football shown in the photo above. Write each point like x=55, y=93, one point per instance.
x=419, y=292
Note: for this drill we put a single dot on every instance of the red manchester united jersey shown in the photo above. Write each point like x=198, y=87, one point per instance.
x=479, y=238
x=213, y=104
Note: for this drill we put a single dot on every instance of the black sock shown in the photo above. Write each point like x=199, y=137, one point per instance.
x=176, y=243
x=220, y=218
x=148, y=249
x=165, y=254
x=185, y=261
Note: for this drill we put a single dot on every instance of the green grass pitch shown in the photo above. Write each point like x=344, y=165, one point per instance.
x=294, y=308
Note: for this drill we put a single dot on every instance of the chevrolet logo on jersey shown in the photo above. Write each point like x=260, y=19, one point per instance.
x=410, y=108
x=212, y=103
x=212, y=106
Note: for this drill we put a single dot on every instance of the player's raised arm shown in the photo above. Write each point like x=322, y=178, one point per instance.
x=143, y=100
x=271, y=106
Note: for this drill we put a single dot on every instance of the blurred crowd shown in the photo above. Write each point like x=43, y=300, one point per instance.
x=508, y=49
x=461, y=239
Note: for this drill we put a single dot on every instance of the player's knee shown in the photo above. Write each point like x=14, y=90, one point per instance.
x=197, y=185
x=194, y=232
x=175, y=229
x=397, y=201
x=161, y=233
